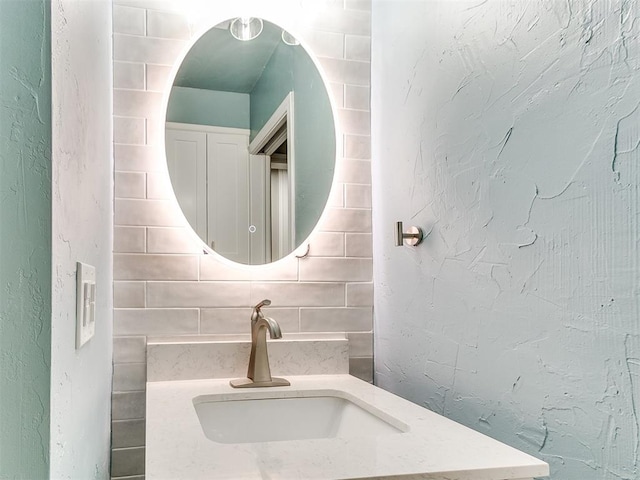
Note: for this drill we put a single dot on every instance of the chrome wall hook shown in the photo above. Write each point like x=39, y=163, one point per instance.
x=413, y=236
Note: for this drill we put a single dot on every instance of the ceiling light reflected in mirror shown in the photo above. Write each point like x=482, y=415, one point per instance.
x=289, y=39
x=246, y=28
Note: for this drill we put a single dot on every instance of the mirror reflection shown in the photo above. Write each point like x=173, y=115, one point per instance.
x=250, y=141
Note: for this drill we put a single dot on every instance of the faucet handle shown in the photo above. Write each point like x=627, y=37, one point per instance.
x=264, y=303
x=256, y=314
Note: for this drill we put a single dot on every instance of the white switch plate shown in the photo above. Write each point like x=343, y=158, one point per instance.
x=85, y=303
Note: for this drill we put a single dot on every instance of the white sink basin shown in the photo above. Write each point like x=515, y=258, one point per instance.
x=294, y=418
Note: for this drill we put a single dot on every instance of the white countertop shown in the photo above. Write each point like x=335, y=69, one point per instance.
x=434, y=448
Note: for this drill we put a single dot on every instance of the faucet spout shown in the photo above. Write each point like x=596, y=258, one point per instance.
x=259, y=372
x=271, y=326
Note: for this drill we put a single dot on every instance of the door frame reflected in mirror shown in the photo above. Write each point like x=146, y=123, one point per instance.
x=279, y=197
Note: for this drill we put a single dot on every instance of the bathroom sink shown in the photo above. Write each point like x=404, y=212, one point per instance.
x=293, y=418
x=319, y=427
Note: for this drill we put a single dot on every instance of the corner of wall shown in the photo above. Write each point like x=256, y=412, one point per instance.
x=82, y=177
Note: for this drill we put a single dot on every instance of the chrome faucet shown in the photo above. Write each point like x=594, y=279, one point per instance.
x=259, y=373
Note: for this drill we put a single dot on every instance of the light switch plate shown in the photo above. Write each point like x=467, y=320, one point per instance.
x=85, y=303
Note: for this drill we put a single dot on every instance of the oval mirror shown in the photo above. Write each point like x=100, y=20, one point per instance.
x=250, y=141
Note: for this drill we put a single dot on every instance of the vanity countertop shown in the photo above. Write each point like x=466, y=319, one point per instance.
x=433, y=448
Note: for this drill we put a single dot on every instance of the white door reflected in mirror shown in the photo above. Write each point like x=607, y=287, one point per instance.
x=250, y=168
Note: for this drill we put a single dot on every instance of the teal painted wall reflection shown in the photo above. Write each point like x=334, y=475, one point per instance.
x=290, y=69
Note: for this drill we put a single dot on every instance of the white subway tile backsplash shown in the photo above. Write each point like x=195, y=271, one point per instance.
x=167, y=25
x=349, y=72
x=201, y=23
x=358, y=47
x=128, y=75
x=127, y=405
x=326, y=44
x=225, y=320
x=129, y=349
x=127, y=461
x=299, y=294
x=158, y=77
x=155, y=267
x=357, y=196
x=337, y=93
x=161, y=213
x=327, y=244
x=336, y=197
x=348, y=319
x=326, y=5
x=238, y=320
x=129, y=239
x=139, y=158
x=129, y=130
x=130, y=185
x=128, y=294
x=358, y=245
x=358, y=5
x=155, y=130
x=354, y=122
x=357, y=97
x=129, y=20
x=360, y=344
x=354, y=171
x=127, y=433
x=359, y=294
x=150, y=321
x=335, y=270
x=198, y=294
x=211, y=268
x=347, y=220
x=159, y=186
x=350, y=22
x=361, y=367
x=137, y=103
x=172, y=240
x=164, y=5
x=311, y=5
x=129, y=377
x=160, y=51
x=357, y=146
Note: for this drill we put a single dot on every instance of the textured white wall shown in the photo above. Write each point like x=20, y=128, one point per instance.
x=163, y=284
x=82, y=210
x=515, y=126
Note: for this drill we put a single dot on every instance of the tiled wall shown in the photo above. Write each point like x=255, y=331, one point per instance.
x=163, y=284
